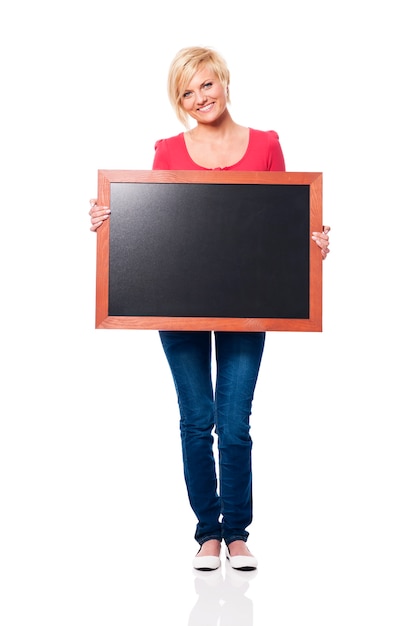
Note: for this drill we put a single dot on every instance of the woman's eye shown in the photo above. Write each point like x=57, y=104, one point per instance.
x=187, y=94
x=208, y=85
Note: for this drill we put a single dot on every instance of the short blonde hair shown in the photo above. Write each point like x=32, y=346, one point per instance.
x=183, y=67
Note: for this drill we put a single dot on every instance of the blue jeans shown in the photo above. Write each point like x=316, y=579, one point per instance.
x=223, y=505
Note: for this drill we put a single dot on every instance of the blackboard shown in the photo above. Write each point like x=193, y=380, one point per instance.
x=209, y=250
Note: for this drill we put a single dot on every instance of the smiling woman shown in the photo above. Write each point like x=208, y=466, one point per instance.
x=198, y=87
x=182, y=78
x=202, y=94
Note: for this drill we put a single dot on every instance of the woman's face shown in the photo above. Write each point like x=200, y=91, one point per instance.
x=204, y=98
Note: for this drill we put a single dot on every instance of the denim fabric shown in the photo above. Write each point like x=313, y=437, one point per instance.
x=223, y=504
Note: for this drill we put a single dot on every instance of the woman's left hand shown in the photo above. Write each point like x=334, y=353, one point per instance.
x=322, y=240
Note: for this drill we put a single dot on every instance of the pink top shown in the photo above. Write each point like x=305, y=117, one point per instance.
x=263, y=154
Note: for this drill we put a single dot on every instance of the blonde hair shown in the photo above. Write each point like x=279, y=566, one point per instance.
x=183, y=67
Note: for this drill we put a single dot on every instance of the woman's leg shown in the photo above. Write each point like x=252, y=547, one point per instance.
x=238, y=357
x=189, y=357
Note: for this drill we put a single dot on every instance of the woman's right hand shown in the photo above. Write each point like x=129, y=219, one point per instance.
x=98, y=214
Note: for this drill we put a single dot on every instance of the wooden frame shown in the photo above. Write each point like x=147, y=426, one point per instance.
x=120, y=180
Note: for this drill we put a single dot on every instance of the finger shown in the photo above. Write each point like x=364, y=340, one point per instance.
x=325, y=231
x=320, y=239
x=96, y=225
x=99, y=211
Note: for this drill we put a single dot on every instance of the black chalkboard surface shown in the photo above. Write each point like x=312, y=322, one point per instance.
x=201, y=250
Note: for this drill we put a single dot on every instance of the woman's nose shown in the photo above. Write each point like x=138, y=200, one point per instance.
x=201, y=96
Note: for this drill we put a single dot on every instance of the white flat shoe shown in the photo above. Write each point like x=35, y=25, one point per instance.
x=206, y=563
x=242, y=563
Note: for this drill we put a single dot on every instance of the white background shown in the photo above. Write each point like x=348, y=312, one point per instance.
x=95, y=526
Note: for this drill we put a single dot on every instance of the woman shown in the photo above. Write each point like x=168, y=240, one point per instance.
x=198, y=87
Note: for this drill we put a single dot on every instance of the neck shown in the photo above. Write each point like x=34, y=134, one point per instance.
x=220, y=128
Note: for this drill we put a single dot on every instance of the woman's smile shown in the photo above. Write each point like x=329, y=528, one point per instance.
x=206, y=108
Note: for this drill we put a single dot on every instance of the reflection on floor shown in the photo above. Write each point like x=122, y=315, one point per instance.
x=221, y=598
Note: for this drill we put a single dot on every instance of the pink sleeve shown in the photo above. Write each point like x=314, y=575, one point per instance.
x=161, y=159
x=276, y=158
